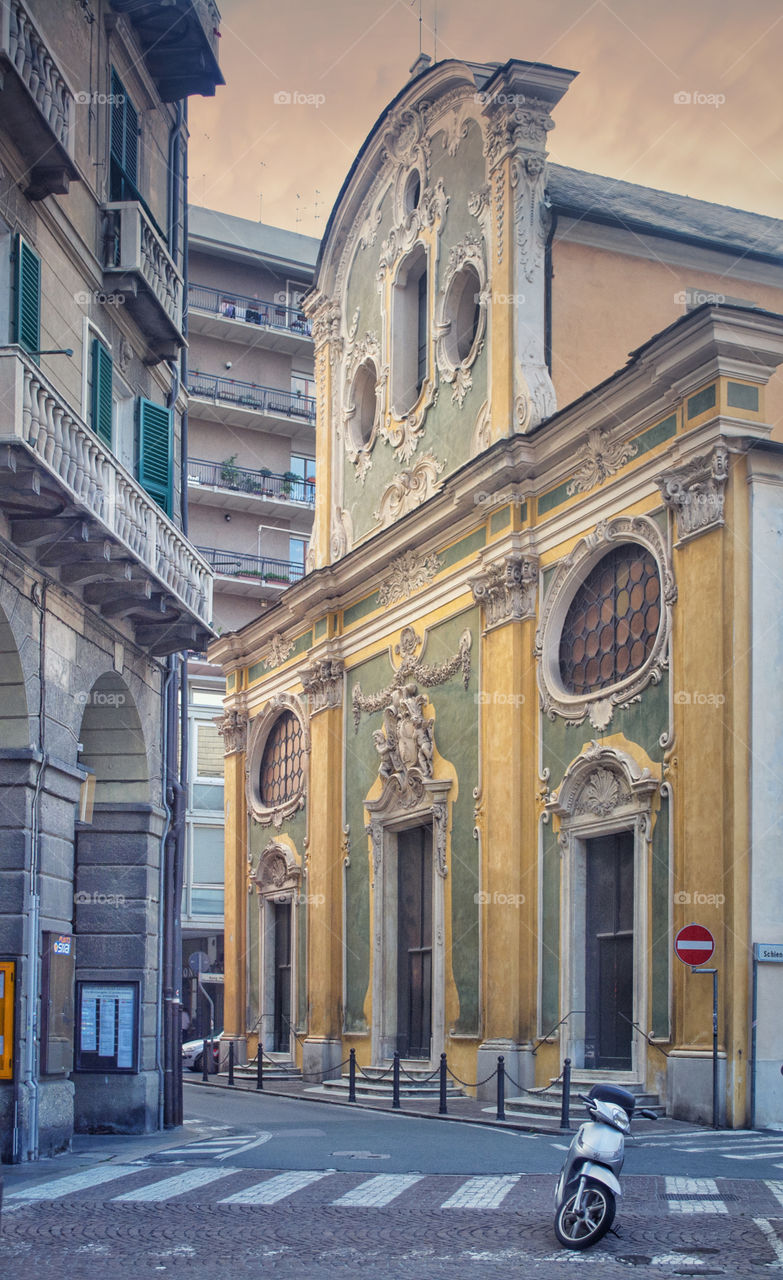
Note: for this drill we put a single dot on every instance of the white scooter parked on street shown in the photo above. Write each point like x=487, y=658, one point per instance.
x=588, y=1186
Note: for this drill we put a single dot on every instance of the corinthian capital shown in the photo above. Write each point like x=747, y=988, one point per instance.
x=695, y=492
x=507, y=589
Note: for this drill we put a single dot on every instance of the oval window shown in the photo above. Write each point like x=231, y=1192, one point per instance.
x=412, y=193
x=612, y=621
x=463, y=311
x=364, y=402
x=281, y=776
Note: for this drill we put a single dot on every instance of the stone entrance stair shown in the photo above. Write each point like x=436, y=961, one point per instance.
x=543, y=1110
x=374, y=1083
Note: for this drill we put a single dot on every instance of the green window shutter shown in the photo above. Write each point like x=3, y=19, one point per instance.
x=155, y=432
x=101, y=409
x=27, y=297
x=124, y=131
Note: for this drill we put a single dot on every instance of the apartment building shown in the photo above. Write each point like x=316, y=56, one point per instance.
x=99, y=587
x=251, y=493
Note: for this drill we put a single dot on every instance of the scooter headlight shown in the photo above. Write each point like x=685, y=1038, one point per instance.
x=618, y=1117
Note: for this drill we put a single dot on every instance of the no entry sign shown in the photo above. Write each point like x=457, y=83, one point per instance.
x=694, y=944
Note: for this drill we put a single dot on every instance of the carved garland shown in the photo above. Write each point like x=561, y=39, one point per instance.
x=413, y=668
x=571, y=572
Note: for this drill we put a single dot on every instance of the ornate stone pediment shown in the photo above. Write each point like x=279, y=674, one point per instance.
x=601, y=781
x=695, y=492
x=277, y=872
x=507, y=590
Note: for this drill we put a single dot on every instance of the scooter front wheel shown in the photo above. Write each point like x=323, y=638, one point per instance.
x=585, y=1228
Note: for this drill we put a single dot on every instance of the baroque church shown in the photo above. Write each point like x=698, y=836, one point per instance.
x=519, y=722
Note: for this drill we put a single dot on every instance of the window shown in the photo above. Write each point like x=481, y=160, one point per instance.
x=124, y=149
x=27, y=297
x=412, y=193
x=101, y=398
x=303, y=467
x=410, y=336
x=208, y=767
x=612, y=622
x=297, y=551
x=207, y=870
x=281, y=776
x=154, y=452
x=463, y=310
x=303, y=384
x=365, y=403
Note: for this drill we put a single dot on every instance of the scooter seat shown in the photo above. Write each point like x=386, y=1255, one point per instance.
x=613, y=1093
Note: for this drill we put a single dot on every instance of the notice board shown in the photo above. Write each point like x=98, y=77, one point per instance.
x=107, y=1021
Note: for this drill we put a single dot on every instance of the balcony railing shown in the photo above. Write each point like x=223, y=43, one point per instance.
x=266, y=484
x=248, y=395
x=238, y=306
x=38, y=106
x=140, y=267
x=238, y=564
x=104, y=518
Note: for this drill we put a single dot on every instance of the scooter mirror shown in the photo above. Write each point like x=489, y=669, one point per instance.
x=648, y=1115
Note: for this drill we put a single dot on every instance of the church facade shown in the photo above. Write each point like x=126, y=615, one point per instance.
x=517, y=724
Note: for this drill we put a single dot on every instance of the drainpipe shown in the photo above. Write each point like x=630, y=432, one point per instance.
x=548, y=277
x=162, y=894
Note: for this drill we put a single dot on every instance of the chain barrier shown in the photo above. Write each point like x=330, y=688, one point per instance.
x=477, y=1084
x=420, y=1079
x=533, y=1092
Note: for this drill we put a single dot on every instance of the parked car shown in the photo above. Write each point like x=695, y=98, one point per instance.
x=193, y=1052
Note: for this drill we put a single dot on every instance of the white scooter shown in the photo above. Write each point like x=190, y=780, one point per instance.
x=588, y=1186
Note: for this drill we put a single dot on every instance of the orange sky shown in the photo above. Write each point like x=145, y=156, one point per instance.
x=620, y=118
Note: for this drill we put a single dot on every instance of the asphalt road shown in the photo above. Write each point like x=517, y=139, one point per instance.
x=311, y=1190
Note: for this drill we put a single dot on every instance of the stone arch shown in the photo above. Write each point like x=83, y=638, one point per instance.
x=112, y=743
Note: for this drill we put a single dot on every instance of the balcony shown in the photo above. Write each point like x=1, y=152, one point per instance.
x=180, y=43
x=83, y=517
x=236, y=403
x=240, y=489
x=251, y=575
x=36, y=104
x=237, y=317
x=137, y=265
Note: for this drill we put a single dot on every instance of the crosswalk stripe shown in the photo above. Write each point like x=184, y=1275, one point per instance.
x=274, y=1189
x=379, y=1191
x=697, y=1206
x=177, y=1186
x=777, y=1190
x=481, y=1193
x=691, y=1187
x=769, y=1232
x=757, y=1155
x=73, y=1182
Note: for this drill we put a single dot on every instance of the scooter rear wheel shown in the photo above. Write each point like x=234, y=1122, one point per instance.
x=581, y=1230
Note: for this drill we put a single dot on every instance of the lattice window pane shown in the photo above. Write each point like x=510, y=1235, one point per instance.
x=282, y=765
x=612, y=622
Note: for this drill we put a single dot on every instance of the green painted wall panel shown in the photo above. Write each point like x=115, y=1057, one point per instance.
x=550, y=931
x=661, y=941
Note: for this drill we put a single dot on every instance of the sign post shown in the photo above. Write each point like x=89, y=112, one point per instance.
x=763, y=953
x=694, y=945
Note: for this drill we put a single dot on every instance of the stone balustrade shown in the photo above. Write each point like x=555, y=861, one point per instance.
x=134, y=251
x=24, y=47
x=97, y=484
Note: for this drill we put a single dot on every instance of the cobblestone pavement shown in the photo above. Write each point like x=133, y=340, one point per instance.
x=141, y=1220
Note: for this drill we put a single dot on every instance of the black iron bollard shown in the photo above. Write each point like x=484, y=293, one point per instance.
x=501, y=1115
x=260, y=1066
x=396, y=1082
x=442, y=1107
x=205, y=1061
x=352, y=1076
x=231, y=1062
x=565, y=1110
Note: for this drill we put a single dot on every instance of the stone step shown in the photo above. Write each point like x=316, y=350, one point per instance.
x=545, y=1109
x=377, y=1088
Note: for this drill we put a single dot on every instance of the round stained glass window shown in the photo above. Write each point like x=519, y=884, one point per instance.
x=282, y=764
x=612, y=621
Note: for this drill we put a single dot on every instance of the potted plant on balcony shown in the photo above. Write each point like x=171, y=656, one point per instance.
x=290, y=478
x=229, y=473
x=266, y=487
